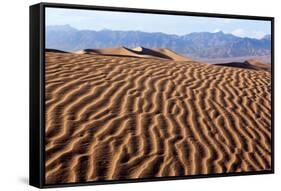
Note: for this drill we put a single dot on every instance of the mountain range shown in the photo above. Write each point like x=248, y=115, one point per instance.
x=197, y=45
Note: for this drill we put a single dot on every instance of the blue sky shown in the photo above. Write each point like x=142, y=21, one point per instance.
x=170, y=24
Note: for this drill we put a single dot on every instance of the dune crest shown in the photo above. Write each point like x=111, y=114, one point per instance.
x=248, y=64
x=172, y=54
x=55, y=50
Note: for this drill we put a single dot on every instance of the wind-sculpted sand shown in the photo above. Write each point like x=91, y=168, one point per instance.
x=115, y=118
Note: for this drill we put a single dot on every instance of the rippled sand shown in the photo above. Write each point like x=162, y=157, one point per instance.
x=111, y=118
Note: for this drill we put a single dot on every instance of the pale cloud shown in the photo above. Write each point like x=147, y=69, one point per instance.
x=251, y=34
x=217, y=30
x=258, y=34
x=239, y=32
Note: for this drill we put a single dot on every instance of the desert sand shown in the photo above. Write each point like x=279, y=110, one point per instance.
x=134, y=113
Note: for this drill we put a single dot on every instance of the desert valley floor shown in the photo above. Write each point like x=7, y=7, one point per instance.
x=121, y=117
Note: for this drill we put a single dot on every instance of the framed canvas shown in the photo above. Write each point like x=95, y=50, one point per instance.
x=122, y=95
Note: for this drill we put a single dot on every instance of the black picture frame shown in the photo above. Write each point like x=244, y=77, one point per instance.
x=37, y=97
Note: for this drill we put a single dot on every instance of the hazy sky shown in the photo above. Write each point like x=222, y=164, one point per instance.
x=180, y=25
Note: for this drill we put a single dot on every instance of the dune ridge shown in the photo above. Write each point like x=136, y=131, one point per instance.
x=110, y=117
x=138, y=52
x=253, y=64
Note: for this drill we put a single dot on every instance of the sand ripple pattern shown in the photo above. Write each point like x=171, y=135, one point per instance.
x=110, y=118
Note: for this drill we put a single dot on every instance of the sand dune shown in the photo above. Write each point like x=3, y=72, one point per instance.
x=121, y=51
x=54, y=50
x=264, y=59
x=138, y=52
x=259, y=64
x=110, y=117
x=173, y=55
x=164, y=53
x=248, y=64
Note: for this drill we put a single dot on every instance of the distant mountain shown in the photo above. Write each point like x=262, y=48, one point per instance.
x=196, y=45
x=267, y=37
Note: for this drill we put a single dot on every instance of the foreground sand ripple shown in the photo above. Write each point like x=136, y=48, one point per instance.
x=110, y=117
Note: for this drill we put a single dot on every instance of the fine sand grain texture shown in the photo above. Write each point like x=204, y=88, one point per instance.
x=116, y=117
